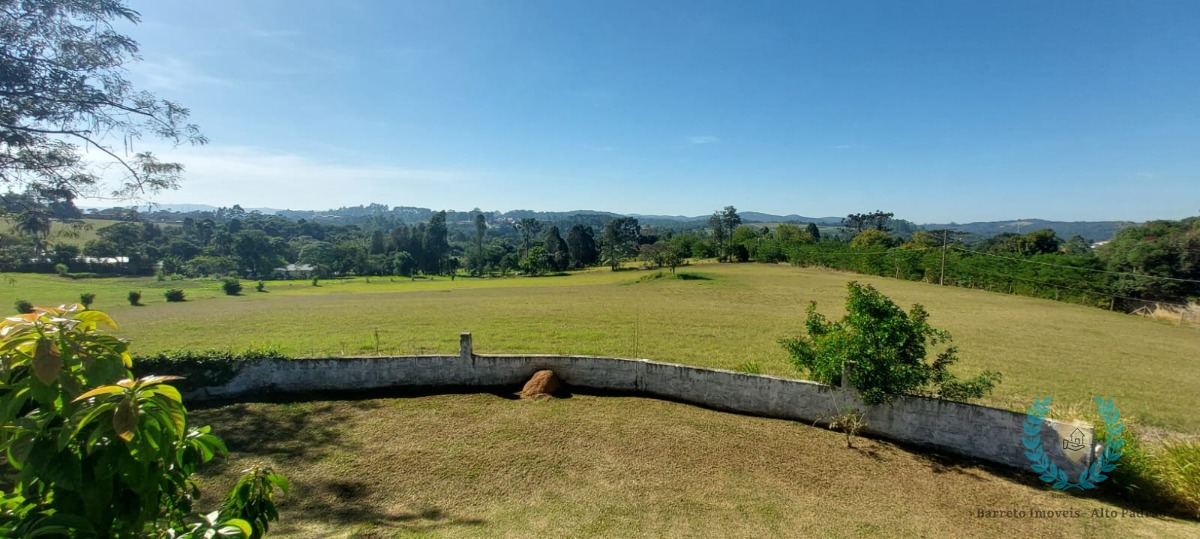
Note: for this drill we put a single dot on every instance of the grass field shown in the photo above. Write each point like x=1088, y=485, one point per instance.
x=61, y=233
x=480, y=465
x=1151, y=368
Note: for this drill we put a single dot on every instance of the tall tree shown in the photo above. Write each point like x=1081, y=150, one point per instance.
x=619, y=240
x=717, y=224
x=63, y=87
x=731, y=219
x=480, y=231
x=437, y=248
x=813, y=231
x=557, y=252
x=581, y=246
x=529, y=229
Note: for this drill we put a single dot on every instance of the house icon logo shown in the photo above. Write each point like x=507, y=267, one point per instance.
x=1075, y=443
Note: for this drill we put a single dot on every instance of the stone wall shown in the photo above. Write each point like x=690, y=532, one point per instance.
x=979, y=432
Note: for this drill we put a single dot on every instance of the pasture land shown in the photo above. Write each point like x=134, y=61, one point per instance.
x=481, y=465
x=732, y=316
x=63, y=233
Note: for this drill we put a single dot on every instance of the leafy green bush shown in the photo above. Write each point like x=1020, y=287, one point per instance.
x=135, y=298
x=87, y=299
x=61, y=269
x=97, y=453
x=231, y=286
x=24, y=306
x=889, y=347
x=202, y=368
x=174, y=295
x=261, y=286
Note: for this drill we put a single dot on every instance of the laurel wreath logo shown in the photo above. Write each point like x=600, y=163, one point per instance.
x=1114, y=427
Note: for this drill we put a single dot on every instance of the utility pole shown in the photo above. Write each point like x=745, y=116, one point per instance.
x=942, y=275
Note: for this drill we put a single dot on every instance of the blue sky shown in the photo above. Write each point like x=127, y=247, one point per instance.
x=937, y=111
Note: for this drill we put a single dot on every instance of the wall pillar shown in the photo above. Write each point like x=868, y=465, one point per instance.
x=464, y=346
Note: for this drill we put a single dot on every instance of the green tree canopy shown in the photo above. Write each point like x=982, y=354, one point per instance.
x=64, y=89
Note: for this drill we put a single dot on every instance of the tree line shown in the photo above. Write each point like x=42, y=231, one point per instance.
x=1159, y=260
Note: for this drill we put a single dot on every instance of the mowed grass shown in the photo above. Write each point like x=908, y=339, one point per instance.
x=1150, y=368
x=481, y=465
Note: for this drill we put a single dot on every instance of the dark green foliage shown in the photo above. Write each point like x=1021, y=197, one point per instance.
x=232, y=286
x=260, y=286
x=135, y=298
x=556, y=250
x=889, y=347
x=536, y=262
x=87, y=299
x=619, y=241
x=24, y=306
x=581, y=246
x=1168, y=249
x=61, y=269
x=202, y=368
x=174, y=295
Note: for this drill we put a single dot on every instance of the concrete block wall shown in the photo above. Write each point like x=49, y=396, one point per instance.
x=979, y=432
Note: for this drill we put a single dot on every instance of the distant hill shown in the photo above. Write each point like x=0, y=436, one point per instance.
x=1090, y=230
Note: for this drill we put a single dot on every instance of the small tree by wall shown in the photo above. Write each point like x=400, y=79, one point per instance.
x=889, y=347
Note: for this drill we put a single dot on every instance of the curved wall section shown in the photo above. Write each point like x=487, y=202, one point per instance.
x=970, y=430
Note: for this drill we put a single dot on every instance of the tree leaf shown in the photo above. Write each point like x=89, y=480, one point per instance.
x=125, y=419
x=102, y=390
x=46, y=362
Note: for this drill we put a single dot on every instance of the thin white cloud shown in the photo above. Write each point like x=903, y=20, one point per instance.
x=703, y=139
x=266, y=33
x=223, y=175
x=174, y=74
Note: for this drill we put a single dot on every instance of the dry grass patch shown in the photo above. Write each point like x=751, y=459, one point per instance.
x=480, y=465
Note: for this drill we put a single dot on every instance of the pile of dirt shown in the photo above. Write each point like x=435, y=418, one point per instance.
x=542, y=383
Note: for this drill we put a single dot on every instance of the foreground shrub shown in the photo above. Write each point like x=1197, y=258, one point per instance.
x=231, y=286
x=135, y=298
x=261, y=286
x=24, y=306
x=174, y=295
x=97, y=453
x=61, y=269
x=889, y=347
x=1165, y=478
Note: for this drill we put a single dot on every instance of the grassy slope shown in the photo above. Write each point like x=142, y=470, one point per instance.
x=61, y=233
x=484, y=466
x=1151, y=368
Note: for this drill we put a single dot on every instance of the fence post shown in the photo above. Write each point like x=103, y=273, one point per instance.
x=847, y=369
x=464, y=346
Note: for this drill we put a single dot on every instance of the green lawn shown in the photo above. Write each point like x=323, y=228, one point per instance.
x=480, y=465
x=1042, y=347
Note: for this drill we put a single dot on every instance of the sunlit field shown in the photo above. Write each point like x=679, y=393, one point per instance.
x=732, y=315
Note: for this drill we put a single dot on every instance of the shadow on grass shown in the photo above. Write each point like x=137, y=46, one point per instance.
x=309, y=432
x=352, y=508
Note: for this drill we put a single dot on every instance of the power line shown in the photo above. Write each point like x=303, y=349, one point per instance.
x=1124, y=273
